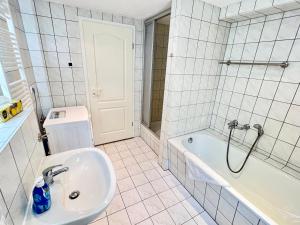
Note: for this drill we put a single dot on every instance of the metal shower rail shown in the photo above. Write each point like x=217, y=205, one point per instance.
x=281, y=64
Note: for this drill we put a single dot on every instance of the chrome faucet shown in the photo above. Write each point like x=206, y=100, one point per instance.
x=48, y=173
x=259, y=128
x=234, y=124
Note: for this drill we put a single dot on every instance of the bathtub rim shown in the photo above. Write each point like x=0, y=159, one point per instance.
x=177, y=143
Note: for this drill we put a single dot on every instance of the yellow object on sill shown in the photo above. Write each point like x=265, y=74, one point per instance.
x=9, y=110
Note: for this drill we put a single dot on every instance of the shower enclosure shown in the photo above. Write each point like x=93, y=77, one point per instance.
x=155, y=60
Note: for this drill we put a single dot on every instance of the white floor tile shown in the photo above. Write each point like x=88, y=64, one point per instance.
x=122, y=173
x=119, y=218
x=168, y=198
x=115, y=205
x=134, y=170
x=101, y=222
x=171, y=181
x=146, y=222
x=130, y=197
x=162, y=218
x=192, y=206
x=146, y=166
x=140, y=158
x=139, y=179
x=152, y=174
x=181, y=193
x=125, y=184
x=146, y=191
x=159, y=185
x=179, y=214
x=137, y=213
x=125, y=154
x=204, y=219
x=129, y=161
x=190, y=222
x=154, y=205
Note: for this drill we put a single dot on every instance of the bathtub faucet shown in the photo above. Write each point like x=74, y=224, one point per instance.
x=259, y=128
x=234, y=124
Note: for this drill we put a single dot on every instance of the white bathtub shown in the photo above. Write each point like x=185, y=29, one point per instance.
x=270, y=193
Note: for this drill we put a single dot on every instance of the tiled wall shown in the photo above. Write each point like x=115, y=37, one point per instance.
x=53, y=37
x=159, y=70
x=150, y=138
x=267, y=95
x=23, y=47
x=19, y=163
x=196, y=44
x=248, y=9
x=220, y=204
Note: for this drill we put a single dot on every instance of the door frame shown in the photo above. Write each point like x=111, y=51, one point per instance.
x=84, y=19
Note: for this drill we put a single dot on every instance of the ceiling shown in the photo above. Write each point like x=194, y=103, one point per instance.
x=132, y=8
x=141, y=9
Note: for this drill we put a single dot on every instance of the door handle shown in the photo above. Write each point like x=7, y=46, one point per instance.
x=96, y=91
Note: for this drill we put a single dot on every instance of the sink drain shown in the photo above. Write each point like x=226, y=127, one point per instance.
x=74, y=194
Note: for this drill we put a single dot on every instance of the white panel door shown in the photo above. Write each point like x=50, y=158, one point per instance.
x=108, y=51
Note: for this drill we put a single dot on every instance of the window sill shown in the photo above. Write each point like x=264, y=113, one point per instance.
x=9, y=128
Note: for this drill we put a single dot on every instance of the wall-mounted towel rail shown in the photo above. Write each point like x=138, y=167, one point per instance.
x=281, y=64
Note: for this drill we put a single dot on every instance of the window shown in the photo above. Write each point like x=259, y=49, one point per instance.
x=13, y=84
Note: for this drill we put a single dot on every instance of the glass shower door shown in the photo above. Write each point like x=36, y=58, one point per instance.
x=148, y=70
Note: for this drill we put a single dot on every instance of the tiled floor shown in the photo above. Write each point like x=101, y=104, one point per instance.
x=146, y=194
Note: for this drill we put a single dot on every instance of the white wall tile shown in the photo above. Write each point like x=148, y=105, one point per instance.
x=75, y=45
x=34, y=41
x=48, y=43
x=289, y=28
x=295, y=54
x=71, y=13
x=18, y=148
x=27, y=6
x=45, y=25
x=19, y=206
x=57, y=10
x=54, y=74
x=51, y=59
x=59, y=27
x=10, y=179
x=73, y=29
x=30, y=23
x=37, y=58
x=64, y=59
x=281, y=50
x=278, y=110
x=270, y=30
x=42, y=8
x=293, y=115
x=62, y=44
x=285, y=92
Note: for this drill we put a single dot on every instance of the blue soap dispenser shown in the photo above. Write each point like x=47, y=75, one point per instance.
x=41, y=196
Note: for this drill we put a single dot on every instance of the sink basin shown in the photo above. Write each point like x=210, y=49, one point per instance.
x=91, y=173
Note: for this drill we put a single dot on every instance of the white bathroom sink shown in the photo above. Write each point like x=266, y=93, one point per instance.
x=91, y=173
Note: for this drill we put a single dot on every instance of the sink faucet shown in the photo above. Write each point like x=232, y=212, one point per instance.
x=48, y=173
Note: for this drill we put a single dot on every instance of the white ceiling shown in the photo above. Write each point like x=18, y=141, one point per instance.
x=141, y=9
x=132, y=8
